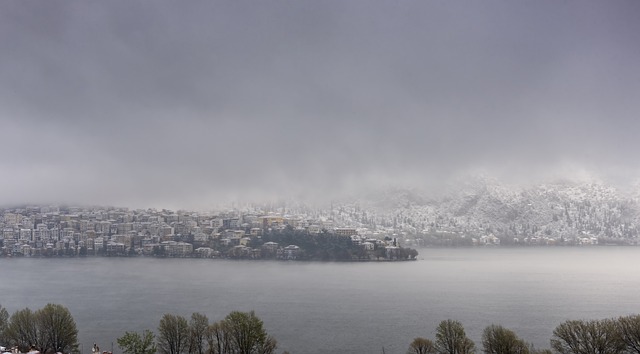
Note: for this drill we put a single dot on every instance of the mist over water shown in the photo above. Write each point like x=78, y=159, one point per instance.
x=337, y=307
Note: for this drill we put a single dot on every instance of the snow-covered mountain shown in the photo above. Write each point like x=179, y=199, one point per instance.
x=481, y=206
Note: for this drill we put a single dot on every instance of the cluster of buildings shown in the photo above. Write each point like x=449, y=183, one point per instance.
x=71, y=231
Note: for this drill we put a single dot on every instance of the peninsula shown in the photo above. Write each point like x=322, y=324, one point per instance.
x=54, y=231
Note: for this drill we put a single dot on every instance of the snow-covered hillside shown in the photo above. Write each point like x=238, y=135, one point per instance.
x=545, y=213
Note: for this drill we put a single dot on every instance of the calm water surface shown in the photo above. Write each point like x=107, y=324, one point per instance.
x=337, y=307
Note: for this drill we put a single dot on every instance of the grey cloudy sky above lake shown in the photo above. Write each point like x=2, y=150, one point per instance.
x=181, y=104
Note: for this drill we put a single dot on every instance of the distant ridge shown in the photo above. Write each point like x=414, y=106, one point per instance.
x=559, y=209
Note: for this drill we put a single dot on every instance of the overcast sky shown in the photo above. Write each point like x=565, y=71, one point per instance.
x=186, y=104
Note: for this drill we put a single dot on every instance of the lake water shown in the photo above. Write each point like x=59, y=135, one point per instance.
x=338, y=307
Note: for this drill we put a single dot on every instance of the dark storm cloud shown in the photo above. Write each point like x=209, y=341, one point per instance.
x=185, y=104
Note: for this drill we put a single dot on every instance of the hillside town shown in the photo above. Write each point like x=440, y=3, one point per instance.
x=378, y=227
x=45, y=231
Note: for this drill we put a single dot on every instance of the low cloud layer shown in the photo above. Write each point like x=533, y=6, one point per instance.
x=191, y=104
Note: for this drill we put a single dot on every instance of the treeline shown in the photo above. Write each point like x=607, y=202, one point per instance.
x=52, y=329
x=327, y=246
x=238, y=333
x=323, y=246
x=607, y=336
